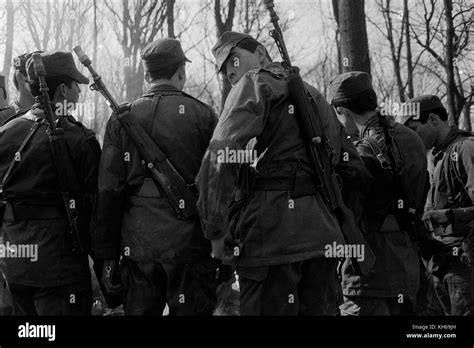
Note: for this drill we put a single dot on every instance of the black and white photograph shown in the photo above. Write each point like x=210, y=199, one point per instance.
x=236, y=172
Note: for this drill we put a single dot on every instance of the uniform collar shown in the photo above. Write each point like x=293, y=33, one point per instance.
x=161, y=88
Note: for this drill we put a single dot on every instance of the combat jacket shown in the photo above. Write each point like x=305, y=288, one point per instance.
x=452, y=182
x=271, y=226
x=9, y=111
x=34, y=213
x=133, y=217
x=398, y=169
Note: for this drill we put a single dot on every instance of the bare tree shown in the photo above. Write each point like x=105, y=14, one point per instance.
x=136, y=25
x=445, y=37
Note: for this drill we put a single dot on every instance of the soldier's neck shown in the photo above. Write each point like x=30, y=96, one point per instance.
x=25, y=100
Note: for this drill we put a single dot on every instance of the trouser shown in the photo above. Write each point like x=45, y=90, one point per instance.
x=188, y=289
x=452, y=291
x=309, y=287
x=69, y=299
x=365, y=306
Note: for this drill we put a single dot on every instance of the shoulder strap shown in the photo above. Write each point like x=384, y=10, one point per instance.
x=7, y=175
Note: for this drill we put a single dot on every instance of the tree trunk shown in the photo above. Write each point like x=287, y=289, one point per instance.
x=223, y=26
x=170, y=17
x=406, y=15
x=449, y=63
x=338, y=36
x=95, y=124
x=353, y=30
x=393, y=50
x=9, y=43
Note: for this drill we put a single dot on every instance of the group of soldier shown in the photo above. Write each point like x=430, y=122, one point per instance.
x=409, y=183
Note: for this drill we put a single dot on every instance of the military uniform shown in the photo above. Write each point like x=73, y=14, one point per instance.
x=451, y=268
x=165, y=259
x=273, y=215
x=395, y=157
x=19, y=64
x=58, y=281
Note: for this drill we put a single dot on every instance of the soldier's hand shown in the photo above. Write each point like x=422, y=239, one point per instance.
x=107, y=277
x=439, y=216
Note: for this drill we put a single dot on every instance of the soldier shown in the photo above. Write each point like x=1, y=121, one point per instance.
x=53, y=280
x=395, y=157
x=165, y=259
x=449, y=208
x=279, y=225
x=25, y=99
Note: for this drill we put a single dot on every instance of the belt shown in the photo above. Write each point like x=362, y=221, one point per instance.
x=302, y=185
x=25, y=212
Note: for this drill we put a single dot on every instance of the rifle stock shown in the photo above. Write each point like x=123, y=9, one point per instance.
x=319, y=151
x=68, y=182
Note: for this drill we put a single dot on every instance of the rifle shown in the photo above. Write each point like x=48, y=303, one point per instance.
x=68, y=182
x=319, y=150
x=164, y=174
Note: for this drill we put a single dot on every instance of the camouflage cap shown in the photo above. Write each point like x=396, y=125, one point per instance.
x=57, y=64
x=349, y=84
x=225, y=44
x=162, y=53
x=19, y=62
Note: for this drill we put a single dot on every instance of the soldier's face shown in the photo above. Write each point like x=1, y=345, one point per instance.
x=72, y=94
x=239, y=62
x=426, y=131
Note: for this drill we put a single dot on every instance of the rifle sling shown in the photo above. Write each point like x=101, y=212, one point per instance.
x=30, y=134
x=161, y=155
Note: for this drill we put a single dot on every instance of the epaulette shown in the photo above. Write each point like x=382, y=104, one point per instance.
x=18, y=114
x=199, y=101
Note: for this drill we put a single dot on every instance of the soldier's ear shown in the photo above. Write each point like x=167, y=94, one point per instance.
x=60, y=92
x=147, y=77
x=434, y=119
x=261, y=53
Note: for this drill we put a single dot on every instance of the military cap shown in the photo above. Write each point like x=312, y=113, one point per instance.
x=423, y=104
x=57, y=64
x=225, y=44
x=162, y=53
x=19, y=62
x=349, y=84
x=427, y=102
